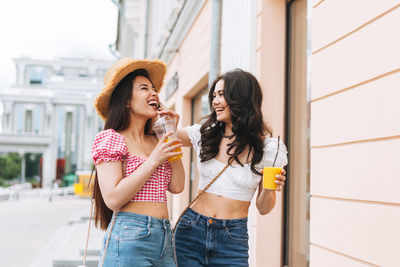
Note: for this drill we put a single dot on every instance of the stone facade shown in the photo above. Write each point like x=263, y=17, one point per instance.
x=49, y=111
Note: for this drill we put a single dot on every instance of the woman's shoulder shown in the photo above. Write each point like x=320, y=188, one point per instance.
x=272, y=144
x=194, y=128
x=194, y=135
x=107, y=133
x=275, y=153
x=108, y=136
x=108, y=144
x=194, y=131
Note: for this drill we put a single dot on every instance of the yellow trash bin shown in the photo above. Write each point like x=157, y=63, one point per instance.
x=78, y=189
x=81, y=188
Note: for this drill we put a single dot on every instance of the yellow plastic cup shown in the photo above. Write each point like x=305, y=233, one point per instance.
x=171, y=159
x=269, y=177
x=164, y=125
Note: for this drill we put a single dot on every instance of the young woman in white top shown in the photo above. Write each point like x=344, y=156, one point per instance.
x=214, y=231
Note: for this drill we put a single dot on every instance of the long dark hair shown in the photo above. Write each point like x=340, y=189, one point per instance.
x=118, y=118
x=243, y=94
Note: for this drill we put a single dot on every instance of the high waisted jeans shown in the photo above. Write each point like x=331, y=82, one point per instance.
x=139, y=240
x=205, y=241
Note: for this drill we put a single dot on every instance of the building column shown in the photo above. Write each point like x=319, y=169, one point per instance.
x=47, y=118
x=4, y=122
x=8, y=116
x=81, y=133
x=91, y=131
x=20, y=74
x=23, y=166
x=50, y=154
x=68, y=142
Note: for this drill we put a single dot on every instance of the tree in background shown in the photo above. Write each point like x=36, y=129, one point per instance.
x=10, y=167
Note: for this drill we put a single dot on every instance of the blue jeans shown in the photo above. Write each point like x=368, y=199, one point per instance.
x=138, y=240
x=206, y=241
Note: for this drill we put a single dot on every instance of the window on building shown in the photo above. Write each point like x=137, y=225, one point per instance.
x=72, y=71
x=38, y=75
x=100, y=72
x=28, y=121
x=83, y=72
x=37, y=116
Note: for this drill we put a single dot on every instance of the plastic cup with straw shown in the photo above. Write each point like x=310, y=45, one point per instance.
x=163, y=125
x=270, y=173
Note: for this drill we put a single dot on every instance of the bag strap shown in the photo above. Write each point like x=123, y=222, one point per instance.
x=108, y=238
x=91, y=216
x=199, y=194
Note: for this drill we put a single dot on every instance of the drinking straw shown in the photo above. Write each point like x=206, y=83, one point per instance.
x=273, y=165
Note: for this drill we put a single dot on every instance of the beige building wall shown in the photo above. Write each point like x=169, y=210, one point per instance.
x=191, y=62
x=355, y=133
x=270, y=70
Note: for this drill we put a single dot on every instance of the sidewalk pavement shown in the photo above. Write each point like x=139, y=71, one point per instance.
x=36, y=232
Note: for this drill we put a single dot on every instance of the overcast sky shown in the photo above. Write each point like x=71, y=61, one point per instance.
x=44, y=29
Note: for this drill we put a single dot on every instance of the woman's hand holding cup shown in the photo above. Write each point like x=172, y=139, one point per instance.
x=166, y=148
x=273, y=178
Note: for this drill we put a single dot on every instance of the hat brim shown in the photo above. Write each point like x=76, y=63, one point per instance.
x=156, y=69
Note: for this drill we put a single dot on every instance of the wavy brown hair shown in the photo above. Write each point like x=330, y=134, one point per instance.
x=118, y=118
x=243, y=94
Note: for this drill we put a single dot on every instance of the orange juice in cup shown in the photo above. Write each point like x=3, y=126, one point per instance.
x=164, y=125
x=171, y=159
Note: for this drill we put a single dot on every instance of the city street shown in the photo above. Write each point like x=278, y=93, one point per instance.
x=34, y=230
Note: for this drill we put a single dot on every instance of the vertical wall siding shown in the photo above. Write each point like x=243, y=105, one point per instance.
x=355, y=133
x=237, y=43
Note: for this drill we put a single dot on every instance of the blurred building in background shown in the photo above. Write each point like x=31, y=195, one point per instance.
x=330, y=77
x=48, y=116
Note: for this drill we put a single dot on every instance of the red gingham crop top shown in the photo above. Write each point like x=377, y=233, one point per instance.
x=110, y=146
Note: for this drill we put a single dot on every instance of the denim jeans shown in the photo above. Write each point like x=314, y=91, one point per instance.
x=138, y=240
x=206, y=241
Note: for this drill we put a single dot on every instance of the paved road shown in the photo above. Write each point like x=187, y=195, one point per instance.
x=28, y=228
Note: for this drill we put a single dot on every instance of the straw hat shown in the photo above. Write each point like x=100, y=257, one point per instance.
x=121, y=68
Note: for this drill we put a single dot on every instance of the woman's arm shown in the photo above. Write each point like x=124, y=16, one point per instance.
x=266, y=198
x=183, y=135
x=116, y=191
x=177, y=183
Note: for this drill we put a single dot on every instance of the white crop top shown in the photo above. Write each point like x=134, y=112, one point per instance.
x=236, y=182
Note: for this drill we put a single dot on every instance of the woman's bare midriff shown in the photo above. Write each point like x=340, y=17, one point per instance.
x=220, y=207
x=154, y=209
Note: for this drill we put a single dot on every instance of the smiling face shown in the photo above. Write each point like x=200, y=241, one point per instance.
x=219, y=104
x=144, y=98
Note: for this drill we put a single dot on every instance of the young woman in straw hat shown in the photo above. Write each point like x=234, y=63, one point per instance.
x=132, y=171
x=214, y=231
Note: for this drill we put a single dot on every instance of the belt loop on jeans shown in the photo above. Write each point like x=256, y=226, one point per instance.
x=197, y=218
x=164, y=222
x=224, y=223
x=148, y=222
